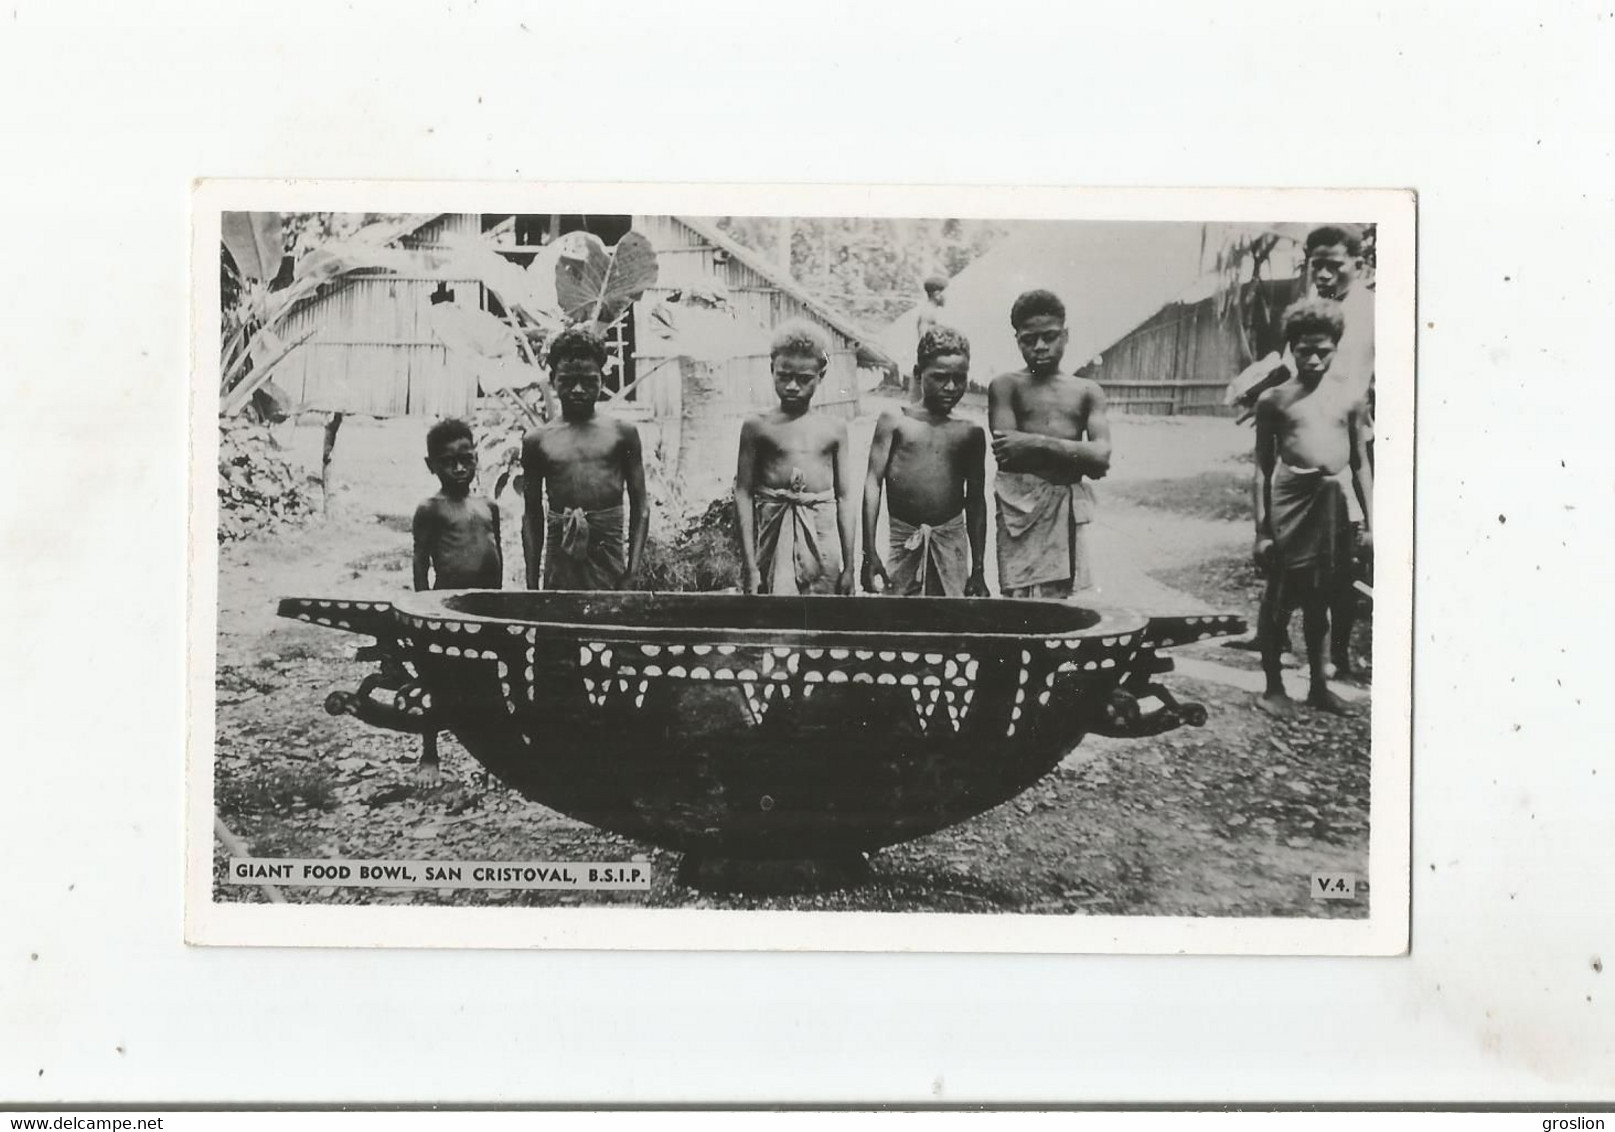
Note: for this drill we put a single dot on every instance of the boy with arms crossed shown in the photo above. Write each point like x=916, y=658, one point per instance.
x=935, y=467
x=793, y=481
x=1050, y=436
x=1311, y=449
x=585, y=462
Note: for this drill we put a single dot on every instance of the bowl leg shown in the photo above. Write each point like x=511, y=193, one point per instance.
x=773, y=877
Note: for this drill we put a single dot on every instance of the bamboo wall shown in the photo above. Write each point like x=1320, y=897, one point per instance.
x=373, y=352
x=1181, y=360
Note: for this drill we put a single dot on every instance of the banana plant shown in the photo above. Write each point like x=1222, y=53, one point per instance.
x=253, y=325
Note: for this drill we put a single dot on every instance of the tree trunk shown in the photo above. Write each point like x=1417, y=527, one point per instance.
x=706, y=453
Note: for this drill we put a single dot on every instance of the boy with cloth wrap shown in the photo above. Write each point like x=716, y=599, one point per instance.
x=793, y=480
x=1050, y=436
x=933, y=468
x=1311, y=454
x=585, y=462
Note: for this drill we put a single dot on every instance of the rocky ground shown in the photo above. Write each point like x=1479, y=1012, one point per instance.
x=1231, y=819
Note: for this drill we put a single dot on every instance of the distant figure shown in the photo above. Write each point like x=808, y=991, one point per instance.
x=584, y=463
x=1311, y=450
x=1050, y=437
x=793, y=480
x=928, y=315
x=936, y=470
x=456, y=534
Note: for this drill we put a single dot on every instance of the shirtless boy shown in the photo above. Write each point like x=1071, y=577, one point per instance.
x=793, y=480
x=583, y=462
x=934, y=468
x=1311, y=450
x=456, y=533
x=1334, y=259
x=1050, y=437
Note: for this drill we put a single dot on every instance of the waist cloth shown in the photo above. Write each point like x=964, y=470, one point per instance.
x=798, y=544
x=1040, y=531
x=584, y=549
x=1311, y=518
x=928, y=559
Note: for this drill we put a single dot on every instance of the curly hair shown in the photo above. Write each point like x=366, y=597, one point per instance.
x=938, y=342
x=577, y=342
x=800, y=339
x=1313, y=316
x=1035, y=303
x=1333, y=235
x=445, y=432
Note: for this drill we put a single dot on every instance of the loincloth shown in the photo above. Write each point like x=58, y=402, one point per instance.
x=584, y=549
x=798, y=543
x=1041, y=534
x=1311, y=520
x=927, y=559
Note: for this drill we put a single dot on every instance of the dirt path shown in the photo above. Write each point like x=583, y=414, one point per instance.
x=1230, y=819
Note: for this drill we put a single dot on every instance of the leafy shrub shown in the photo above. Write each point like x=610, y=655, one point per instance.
x=258, y=489
x=701, y=555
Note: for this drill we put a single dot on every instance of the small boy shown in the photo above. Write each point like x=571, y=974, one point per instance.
x=1050, y=436
x=583, y=462
x=937, y=469
x=457, y=544
x=1311, y=439
x=793, y=480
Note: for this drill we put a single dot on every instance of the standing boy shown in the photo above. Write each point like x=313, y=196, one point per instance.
x=1334, y=258
x=456, y=533
x=793, y=480
x=585, y=462
x=1311, y=449
x=935, y=468
x=1050, y=436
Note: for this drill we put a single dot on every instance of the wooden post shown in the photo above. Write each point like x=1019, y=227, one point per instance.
x=331, y=427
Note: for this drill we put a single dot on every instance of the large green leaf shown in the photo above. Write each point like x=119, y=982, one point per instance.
x=254, y=242
x=594, y=285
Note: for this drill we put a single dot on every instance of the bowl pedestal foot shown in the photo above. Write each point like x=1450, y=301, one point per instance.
x=773, y=877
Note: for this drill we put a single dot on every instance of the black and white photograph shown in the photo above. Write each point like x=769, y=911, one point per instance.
x=1029, y=578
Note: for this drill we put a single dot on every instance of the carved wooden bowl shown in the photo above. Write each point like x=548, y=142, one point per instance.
x=745, y=730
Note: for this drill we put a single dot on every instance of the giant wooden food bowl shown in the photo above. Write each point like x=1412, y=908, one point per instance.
x=775, y=741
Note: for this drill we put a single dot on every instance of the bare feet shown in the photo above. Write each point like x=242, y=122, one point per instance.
x=1276, y=704
x=1323, y=699
x=427, y=772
